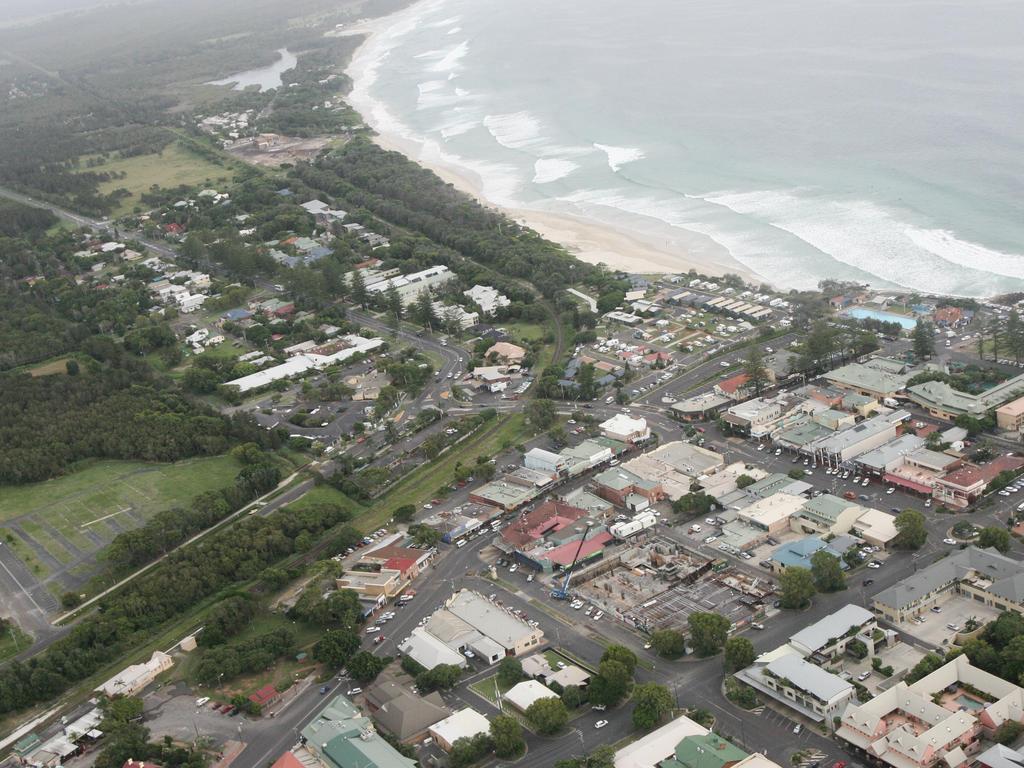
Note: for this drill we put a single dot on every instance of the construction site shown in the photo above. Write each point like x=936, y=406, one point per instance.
x=659, y=584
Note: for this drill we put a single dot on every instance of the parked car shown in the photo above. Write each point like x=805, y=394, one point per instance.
x=354, y=691
x=600, y=723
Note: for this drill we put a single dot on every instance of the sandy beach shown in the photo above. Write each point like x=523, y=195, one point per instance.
x=588, y=240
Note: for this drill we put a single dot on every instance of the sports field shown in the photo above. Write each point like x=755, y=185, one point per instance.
x=62, y=522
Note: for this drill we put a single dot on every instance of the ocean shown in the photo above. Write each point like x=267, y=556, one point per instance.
x=869, y=140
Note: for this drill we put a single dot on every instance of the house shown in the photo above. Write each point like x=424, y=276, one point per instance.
x=505, y=353
x=982, y=575
x=734, y=387
x=340, y=737
x=402, y=713
x=523, y=694
x=625, y=428
x=134, y=678
x=464, y=724
x=964, y=486
x=939, y=720
x=265, y=696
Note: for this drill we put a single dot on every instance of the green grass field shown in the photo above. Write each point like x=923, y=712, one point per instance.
x=83, y=505
x=171, y=168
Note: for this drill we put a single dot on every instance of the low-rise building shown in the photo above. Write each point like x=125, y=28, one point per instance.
x=1010, y=416
x=982, y=575
x=618, y=484
x=341, y=737
x=878, y=378
x=545, y=461
x=526, y=693
x=402, y=713
x=964, y=486
x=852, y=442
x=464, y=724
x=505, y=353
x=799, y=553
x=487, y=298
x=810, y=690
x=132, y=679
x=514, y=635
x=625, y=428
x=944, y=402
x=754, y=417
x=829, y=636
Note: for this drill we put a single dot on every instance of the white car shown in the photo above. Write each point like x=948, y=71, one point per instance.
x=372, y=630
x=760, y=447
x=354, y=691
x=600, y=723
x=890, y=490
x=874, y=565
x=597, y=616
x=778, y=451
x=513, y=569
x=951, y=542
x=710, y=539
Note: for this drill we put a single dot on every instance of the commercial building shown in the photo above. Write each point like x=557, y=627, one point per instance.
x=964, y=486
x=625, y=428
x=674, y=466
x=402, y=713
x=707, y=750
x=939, y=720
x=919, y=470
x=130, y=680
x=464, y=724
x=514, y=635
x=754, y=417
x=340, y=737
x=982, y=575
x=622, y=487
x=1010, y=416
x=545, y=461
x=850, y=443
x=430, y=651
x=650, y=750
x=699, y=407
x=802, y=686
x=878, y=378
x=887, y=457
x=944, y=402
x=772, y=513
x=798, y=553
x=832, y=515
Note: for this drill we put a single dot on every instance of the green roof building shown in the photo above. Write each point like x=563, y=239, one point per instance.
x=342, y=738
x=706, y=751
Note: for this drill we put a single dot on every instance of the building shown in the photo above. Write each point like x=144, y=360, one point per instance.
x=515, y=636
x=505, y=353
x=618, y=485
x=487, y=298
x=545, y=461
x=734, y=387
x=454, y=315
x=889, y=456
x=130, y=680
x=919, y=470
x=429, y=651
x=798, y=553
x=1010, y=416
x=878, y=378
x=754, y=416
x=829, y=636
x=464, y=724
x=939, y=720
x=340, y=737
x=944, y=402
x=964, y=486
x=699, y=407
x=982, y=575
x=835, y=449
x=807, y=688
x=999, y=756
x=265, y=696
x=410, y=286
x=337, y=351
x=402, y=713
x=523, y=694
x=772, y=513
x=706, y=750
x=650, y=750
x=625, y=428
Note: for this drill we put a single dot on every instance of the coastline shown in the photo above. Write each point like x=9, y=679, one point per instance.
x=586, y=239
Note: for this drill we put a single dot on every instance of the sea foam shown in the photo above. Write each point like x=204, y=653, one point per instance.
x=551, y=169
x=620, y=156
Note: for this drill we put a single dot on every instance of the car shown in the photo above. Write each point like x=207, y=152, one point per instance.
x=1004, y=493
x=710, y=539
x=561, y=665
x=428, y=506
x=709, y=520
x=379, y=639
x=469, y=654
x=202, y=700
x=778, y=451
x=890, y=490
x=865, y=481
x=529, y=578
x=324, y=689
x=372, y=630
x=760, y=447
x=513, y=568
x=757, y=625
x=874, y=564
x=953, y=627
x=647, y=646
x=936, y=609
x=597, y=616
x=797, y=728
x=868, y=582
x=724, y=363
x=571, y=421
x=951, y=542
x=600, y=723
x=354, y=691
x=839, y=764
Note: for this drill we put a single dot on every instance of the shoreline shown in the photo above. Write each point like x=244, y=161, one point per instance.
x=588, y=240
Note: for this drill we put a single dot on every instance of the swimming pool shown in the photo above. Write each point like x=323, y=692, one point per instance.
x=968, y=702
x=887, y=317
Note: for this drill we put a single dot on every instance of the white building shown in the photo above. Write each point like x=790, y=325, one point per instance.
x=411, y=286
x=302, y=363
x=528, y=692
x=133, y=679
x=464, y=724
x=487, y=298
x=545, y=461
x=454, y=314
x=429, y=651
x=625, y=428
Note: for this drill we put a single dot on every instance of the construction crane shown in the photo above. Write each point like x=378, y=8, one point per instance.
x=562, y=593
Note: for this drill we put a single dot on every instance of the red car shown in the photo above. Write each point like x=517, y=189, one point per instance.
x=378, y=639
x=839, y=764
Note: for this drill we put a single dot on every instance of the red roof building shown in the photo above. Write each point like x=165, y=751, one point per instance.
x=948, y=316
x=173, y=228
x=265, y=696
x=733, y=387
x=288, y=760
x=563, y=556
x=964, y=486
x=549, y=517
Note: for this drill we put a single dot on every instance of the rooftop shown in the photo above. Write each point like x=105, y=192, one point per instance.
x=502, y=627
x=808, y=677
x=835, y=625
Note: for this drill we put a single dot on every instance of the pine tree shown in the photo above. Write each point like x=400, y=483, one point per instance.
x=359, y=293
x=423, y=311
x=755, y=370
x=924, y=340
x=394, y=303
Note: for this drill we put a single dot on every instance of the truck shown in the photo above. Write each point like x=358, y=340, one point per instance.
x=632, y=527
x=891, y=402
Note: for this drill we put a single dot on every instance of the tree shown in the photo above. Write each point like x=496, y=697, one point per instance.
x=541, y=413
x=423, y=310
x=739, y=654
x=796, y=587
x=443, y=677
x=668, y=642
x=695, y=504
x=510, y=671
x=572, y=697
x=827, y=572
x=611, y=684
x=469, y=750
x=708, y=632
x=547, y=716
x=364, y=666
x=1007, y=732
x=621, y=654
x=71, y=366
x=359, y=294
x=423, y=536
x=757, y=375
x=653, y=702
x=911, y=532
x=744, y=481
x=507, y=736
x=993, y=536
x=394, y=303
x=404, y=514
x=336, y=647
x=924, y=340
x=796, y=474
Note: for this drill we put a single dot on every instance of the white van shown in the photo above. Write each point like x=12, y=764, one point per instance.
x=461, y=543
x=694, y=528
x=201, y=701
